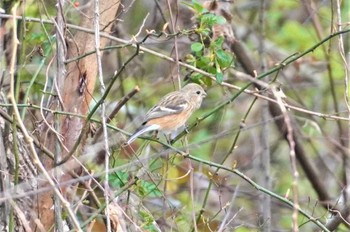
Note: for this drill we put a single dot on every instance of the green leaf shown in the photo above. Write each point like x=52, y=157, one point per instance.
x=118, y=179
x=224, y=58
x=206, y=32
x=220, y=19
x=152, y=189
x=145, y=188
x=196, y=6
x=197, y=47
x=211, y=70
x=196, y=77
x=208, y=20
x=218, y=43
x=207, y=81
x=219, y=77
x=203, y=62
x=200, y=78
x=190, y=59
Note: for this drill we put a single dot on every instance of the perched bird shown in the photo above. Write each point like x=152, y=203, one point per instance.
x=172, y=111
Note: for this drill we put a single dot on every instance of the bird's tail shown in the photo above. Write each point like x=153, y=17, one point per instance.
x=141, y=131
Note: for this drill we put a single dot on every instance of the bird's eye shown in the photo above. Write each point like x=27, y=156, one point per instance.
x=198, y=92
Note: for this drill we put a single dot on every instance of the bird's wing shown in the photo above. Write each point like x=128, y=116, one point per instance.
x=173, y=103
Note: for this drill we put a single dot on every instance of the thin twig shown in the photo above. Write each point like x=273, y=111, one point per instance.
x=264, y=170
x=346, y=159
x=120, y=104
x=103, y=111
x=21, y=216
x=173, y=25
x=295, y=173
x=140, y=29
x=42, y=100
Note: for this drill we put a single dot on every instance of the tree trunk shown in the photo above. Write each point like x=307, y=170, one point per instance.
x=75, y=87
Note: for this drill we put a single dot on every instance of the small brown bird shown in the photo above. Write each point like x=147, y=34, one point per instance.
x=172, y=111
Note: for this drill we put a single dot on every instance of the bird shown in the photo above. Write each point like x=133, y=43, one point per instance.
x=172, y=111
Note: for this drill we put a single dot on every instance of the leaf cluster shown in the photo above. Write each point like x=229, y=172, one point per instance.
x=208, y=53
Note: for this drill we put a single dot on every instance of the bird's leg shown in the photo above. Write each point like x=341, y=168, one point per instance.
x=155, y=134
x=168, y=139
x=186, y=129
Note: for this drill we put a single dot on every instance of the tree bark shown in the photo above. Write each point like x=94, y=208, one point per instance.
x=75, y=88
